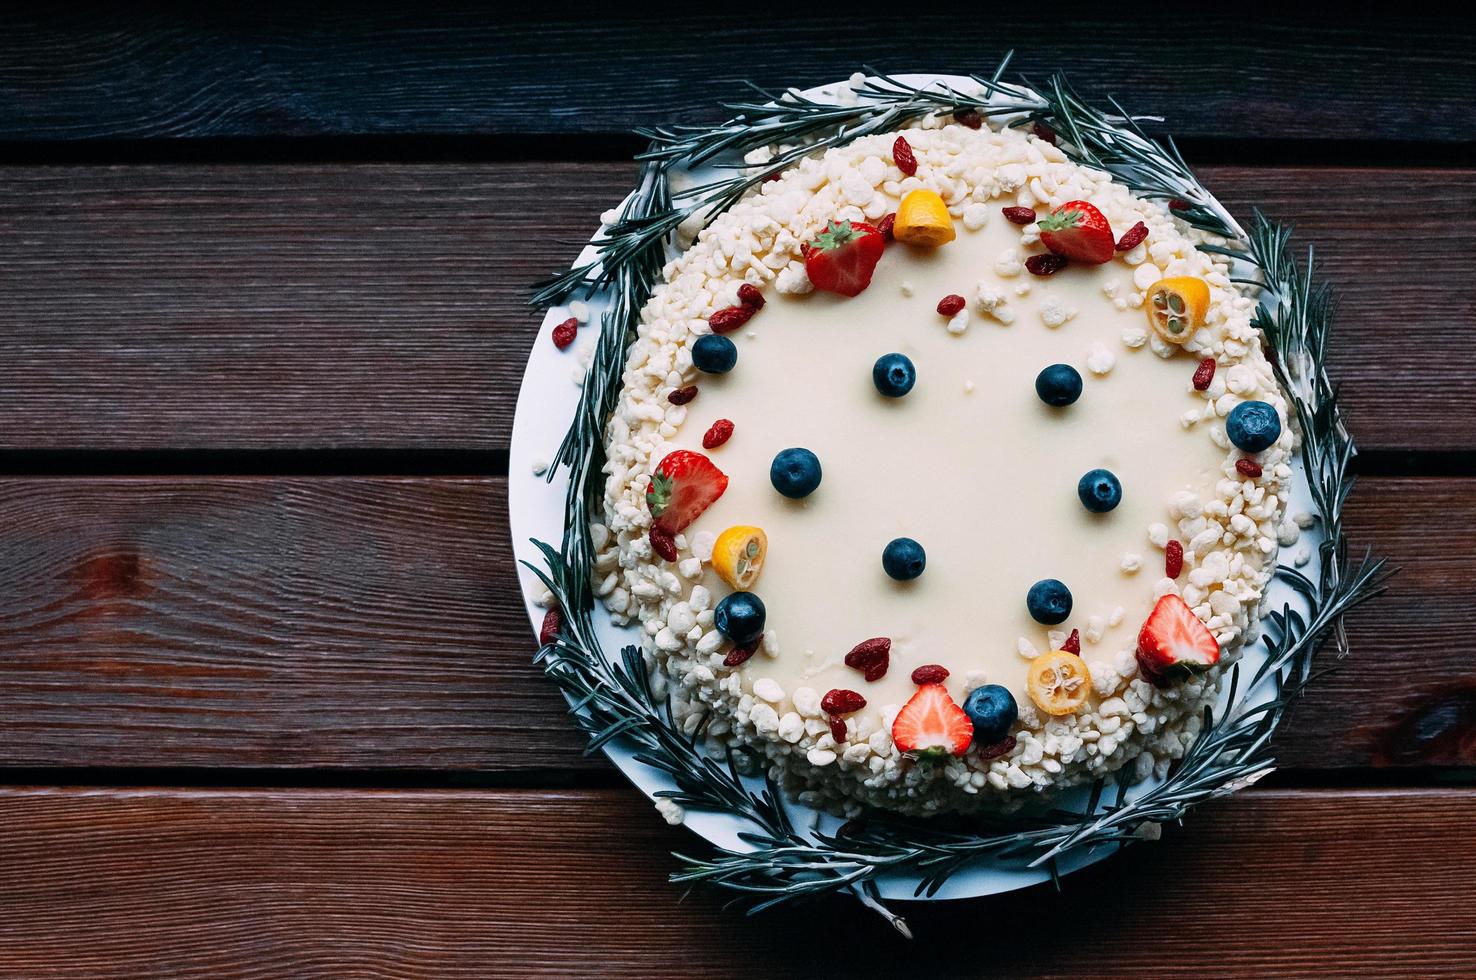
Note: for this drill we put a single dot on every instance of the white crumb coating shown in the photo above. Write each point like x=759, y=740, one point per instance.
x=1231, y=530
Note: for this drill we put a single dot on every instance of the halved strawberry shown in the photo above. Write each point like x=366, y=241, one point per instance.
x=684, y=485
x=1080, y=232
x=1173, y=644
x=932, y=725
x=842, y=258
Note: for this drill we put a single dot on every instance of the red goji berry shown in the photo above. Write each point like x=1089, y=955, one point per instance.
x=1073, y=642
x=1043, y=132
x=871, y=657
x=1019, y=216
x=1047, y=264
x=663, y=543
x=1004, y=746
x=951, y=304
x=680, y=396
x=1173, y=559
x=840, y=701
x=929, y=674
x=1204, y=374
x=885, y=225
x=553, y=622
x=1132, y=238
x=1248, y=467
x=563, y=334
x=720, y=432
x=903, y=157
x=730, y=318
x=740, y=655
x=971, y=118
x=838, y=730
x=751, y=296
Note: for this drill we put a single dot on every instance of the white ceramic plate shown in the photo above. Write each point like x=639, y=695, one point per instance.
x=546, y=403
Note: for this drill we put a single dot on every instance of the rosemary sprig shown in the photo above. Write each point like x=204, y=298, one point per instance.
x=613, y=700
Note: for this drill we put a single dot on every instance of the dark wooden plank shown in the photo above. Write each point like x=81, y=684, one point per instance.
x=590, y=68
x=329, y=622
x=170, y=883
x=383, y=306
x=373, y=624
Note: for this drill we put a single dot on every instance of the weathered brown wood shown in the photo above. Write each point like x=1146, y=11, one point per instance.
x=373, y=624
x=267, y=622
x=382, y=306
x=591, y=68
x=169, y=883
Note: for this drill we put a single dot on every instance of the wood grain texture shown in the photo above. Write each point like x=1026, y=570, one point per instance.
x=173, y=883
x=590, y=68
x=361, y=623
x=383, y=306
x=268, y=622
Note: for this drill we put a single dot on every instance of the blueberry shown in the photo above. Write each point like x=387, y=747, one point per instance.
x=795, y=473
x=992, y=709
x=1049, y=602
x=1253, y=426
x=1058, y=385
x=1099, y=490
x=740, y=617
x=893, y=375
x=904, y=559
x=714, y=354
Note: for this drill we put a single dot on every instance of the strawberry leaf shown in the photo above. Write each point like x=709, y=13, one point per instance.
x=658, y=495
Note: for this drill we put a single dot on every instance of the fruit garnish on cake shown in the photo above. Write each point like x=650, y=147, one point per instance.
x=945, y=474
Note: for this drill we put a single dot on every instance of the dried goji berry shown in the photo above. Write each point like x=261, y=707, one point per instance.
x=563, y=334
x=740, y=655
x=1004, y=746
x=1046, y=264
x=1179, y=204
x=663, y=543
x=951, y=304
x=840, y=701
x=1173, y=559
x=1133, y=237
x=680, y=396
x=730, y=318
x=751, y=296
x=553, y=622
x=1019, y=216
x=902, y=156
x=838, y=730
x=871, y=657
x=1043, y=132
x=1204, y=374
x=1248, y=467
x=971, y=118
x=929, y=674
x=1073, y=642
x=720, y=432
x=885, y=225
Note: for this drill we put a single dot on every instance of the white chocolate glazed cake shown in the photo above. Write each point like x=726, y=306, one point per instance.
x=965, y=686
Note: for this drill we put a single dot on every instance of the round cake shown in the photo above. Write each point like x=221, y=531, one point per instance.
x=946, y=473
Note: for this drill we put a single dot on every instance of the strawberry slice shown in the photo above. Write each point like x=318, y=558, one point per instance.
x=684, y=485
x=1080, y=232
x=843, y=257
x=932, y=725
x=1173, y=644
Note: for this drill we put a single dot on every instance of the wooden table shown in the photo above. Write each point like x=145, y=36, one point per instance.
x=266, y=699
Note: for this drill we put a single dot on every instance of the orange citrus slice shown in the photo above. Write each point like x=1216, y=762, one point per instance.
x=923, y=219
x=1059, y=682
x=738, y=555
x=1176, y=307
